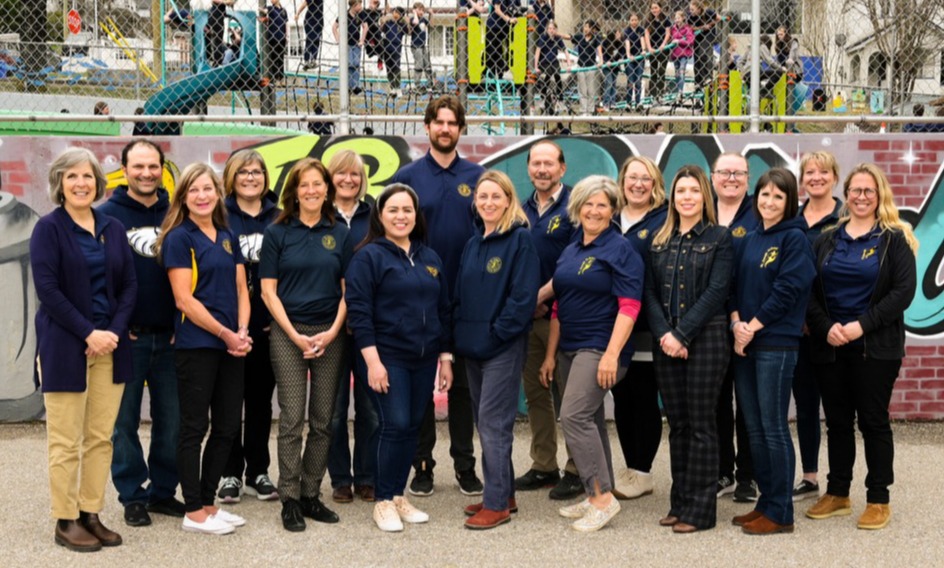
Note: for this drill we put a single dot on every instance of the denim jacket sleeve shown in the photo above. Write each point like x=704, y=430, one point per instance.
x=652, y=302
x=712, y=298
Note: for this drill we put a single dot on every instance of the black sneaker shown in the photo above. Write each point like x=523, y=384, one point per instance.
x=357, y=91
x=469, y=483
x=313, y=508
x=805, y=489
x=535, y=479
x=230, y=490
x=568, y=487
x=170, y=507
x=292, y=518
x=745, y=493
x=136, y=515
x=422, y=484
x=725, y=486
x=262, y=487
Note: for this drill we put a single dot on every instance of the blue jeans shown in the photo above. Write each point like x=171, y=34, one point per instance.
x=634, y=82
x=400, y=412
x=680, y=64
x=762, y=381
x=153, y=360
x=609, y=86
x=353, y=66
x=365, y=431
x=494, y=385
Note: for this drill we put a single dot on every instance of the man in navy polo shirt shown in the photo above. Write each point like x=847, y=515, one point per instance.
x=146, y=485
x=444, y=183
x=551, y=232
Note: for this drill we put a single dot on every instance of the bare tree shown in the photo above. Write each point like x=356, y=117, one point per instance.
x=825, y=34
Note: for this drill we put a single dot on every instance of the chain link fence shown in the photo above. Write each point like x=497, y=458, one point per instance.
x=638, y=63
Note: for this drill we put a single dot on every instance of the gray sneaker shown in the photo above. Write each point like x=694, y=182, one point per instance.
x=230, y=490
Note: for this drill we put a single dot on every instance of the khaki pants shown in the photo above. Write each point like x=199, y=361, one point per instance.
x=79, y=426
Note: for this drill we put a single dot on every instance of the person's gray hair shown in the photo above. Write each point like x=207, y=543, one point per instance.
x=67, y=160
x=587, y=188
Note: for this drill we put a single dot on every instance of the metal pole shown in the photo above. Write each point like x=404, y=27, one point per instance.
x=344, y=126
x=96, y=21
x=267, y=92
x=890, y=68
x=462, y=56
x=755, y=65
x=527, y=97
x=160, y=51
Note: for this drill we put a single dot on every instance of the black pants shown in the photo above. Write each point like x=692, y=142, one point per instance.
x=550, y=86
x=210, y=387
x=730, y=421
x=253, y=449
x=392, y=63
x=858, y=389
x=461, y=425
x=496, y=48
x=637, y=415
x=657, y=64
x=704, y=60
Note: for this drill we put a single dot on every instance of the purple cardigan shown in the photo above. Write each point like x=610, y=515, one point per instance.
x=684, y=37
x=63, y=285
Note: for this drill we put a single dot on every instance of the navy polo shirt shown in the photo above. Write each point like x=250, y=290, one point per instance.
x=634, y=37
x=446, y=202
x=213, y=280
x=354, y=28
x=551, y=46
x=309, y=263
x=586, y=50
x=551, y=231
x=588, y=282
x=849, y=274
x=827, y=222
x=93, y=248
x=420, y=32
x=278, y=20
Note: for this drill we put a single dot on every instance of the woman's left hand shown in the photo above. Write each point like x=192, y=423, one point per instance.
x=445, y=376
x=606, y=370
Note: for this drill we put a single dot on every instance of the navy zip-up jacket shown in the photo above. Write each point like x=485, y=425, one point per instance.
x=774, y=270
x=399, y=303
x=154, y=305
x=744, y=222
x=359, y=222
x=495, y=293
x=640, y=236
x=249, y=230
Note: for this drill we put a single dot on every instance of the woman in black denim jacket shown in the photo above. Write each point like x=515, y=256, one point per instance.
x=687, y=283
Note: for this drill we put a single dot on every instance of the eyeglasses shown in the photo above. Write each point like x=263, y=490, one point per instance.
x=249, y=173
x=727, y=174
x=860, y=191
x=645, y=180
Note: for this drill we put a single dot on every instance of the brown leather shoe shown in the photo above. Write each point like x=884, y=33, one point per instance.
x=75, y=537
x=473, y=509
x=830, y=506
x=668, y=521
x=365, y=492
x=764, y=526
x=94, y=525
x=342, y=494
x=487, y=519
x=875, y=516
x=741, y=520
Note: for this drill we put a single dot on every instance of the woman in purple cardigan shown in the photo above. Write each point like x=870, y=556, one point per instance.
x=85, y=281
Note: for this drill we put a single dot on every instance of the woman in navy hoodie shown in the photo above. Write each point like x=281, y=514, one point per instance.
x=399, y=311
x=496, y=293
x=773, y=272
x=86, y=285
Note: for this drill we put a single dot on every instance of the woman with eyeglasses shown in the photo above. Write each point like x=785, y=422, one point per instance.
x=636, y=409
x=866, y=278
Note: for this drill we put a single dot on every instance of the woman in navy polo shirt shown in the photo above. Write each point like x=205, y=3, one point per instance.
x=350, y=201
x=85, y=281
x=773, y=272
x=636, y=409
x=399, y=311
x=252, y=206
x=495, y=296
x=598, y=285
x=866, y=278
x=304, y=256
x=208, y=278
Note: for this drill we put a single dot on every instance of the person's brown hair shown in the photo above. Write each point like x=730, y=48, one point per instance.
x=289, y=199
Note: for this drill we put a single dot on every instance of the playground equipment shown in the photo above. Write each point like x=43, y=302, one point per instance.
x=114, y=34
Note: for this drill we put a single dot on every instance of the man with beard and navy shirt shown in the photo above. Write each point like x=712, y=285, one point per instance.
x=147, y=485
x=444, y=183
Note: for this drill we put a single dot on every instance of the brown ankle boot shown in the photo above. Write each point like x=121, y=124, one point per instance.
x=72, y=535
x=92, y=523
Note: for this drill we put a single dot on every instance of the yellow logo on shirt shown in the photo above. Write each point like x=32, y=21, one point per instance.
x=433, y=271
x=554, y=224
x=643, y=234
x=227, y=246
x=586, y=264
x=868, y=252
x=769, y=257
x=464, y=190
x=738, y=232
x=494, y=265
x=328, y=242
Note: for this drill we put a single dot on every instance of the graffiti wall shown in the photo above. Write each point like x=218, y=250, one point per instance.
x=913, y=164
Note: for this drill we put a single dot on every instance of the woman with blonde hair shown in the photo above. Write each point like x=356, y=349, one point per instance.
x=687, y=316
x=208, y=278
x=495, y=296
x=86, y=285
x=866, y=278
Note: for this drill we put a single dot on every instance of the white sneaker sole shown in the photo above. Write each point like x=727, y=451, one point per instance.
x=220, y=531
x=249, y=490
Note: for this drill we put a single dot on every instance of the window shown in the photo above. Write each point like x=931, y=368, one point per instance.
x=773, y=14
x=441, y=41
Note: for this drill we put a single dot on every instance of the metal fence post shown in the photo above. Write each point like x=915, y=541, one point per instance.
x=344, y=125
x=462, y=56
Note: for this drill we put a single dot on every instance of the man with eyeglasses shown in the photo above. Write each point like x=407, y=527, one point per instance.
x=151, y=485
x=729, y=180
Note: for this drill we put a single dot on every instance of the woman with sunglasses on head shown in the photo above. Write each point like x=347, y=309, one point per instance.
x=866, y=278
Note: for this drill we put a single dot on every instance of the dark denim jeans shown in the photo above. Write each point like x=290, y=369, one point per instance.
x=400, y=412
x=494, y=385
x=153, y=359
x=762, y=381
x=365, y=430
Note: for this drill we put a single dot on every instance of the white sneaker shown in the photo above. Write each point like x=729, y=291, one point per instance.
x=408, y=512
x=229, y=518
x=575, y=511
x=631, y=484
x=386, y=517
x=212, y=525
x=595, y=519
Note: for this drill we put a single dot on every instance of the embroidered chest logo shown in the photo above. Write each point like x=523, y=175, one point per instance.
x=433, y=271
x=868, y=252
x=553, y=224
x=493, y=265
x=586, y=264
x=738, y=232
x=101, y=239
x=227, y=246
x=464, y=190
x=769, y=257
x=328, y=242
x=642, y=234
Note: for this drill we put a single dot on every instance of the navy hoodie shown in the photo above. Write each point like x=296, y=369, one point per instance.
x=154, y=306
x=359, y=222
x=495, y=293
x=774, y=270
x=399, y=303
x=249, y=230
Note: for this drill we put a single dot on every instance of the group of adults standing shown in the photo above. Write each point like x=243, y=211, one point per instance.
x=221, y=296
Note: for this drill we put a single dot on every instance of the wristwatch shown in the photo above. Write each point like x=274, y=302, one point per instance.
x=447, y=357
